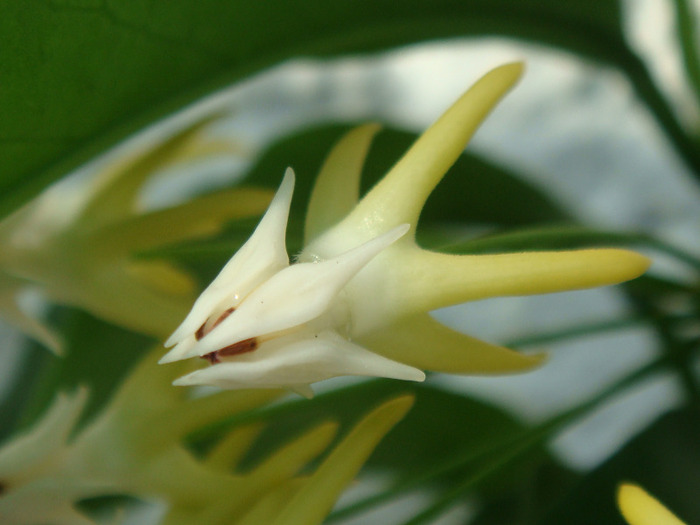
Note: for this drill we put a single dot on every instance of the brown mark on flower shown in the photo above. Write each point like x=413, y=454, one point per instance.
x=241, y=347
x=204, y=329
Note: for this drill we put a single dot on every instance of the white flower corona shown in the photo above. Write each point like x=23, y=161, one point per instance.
x=265, y=323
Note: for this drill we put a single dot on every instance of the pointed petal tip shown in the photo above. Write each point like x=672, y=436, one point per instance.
x=288, y=179
x=396, y=409
x=402, y=403
x=418, y=376
x=637, y=263
x=172, y=356
x=394, y=234
x=518, y=364
x=370, y=128
x=530, y=361
x=187, y=380
x=303, y=390
x=283, y=196
x=621, y=265
x=515, y=68
x=56, y=347
x=173, y=339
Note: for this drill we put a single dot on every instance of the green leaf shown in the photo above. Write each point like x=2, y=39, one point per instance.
x=529, y=497
x=79, y=75
x=664, y=459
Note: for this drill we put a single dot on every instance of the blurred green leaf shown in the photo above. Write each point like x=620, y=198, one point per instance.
x=664, y=459
x=79, y=75
x=529, y=496
x=687, y=34
x=21, y=386
x=439, y=427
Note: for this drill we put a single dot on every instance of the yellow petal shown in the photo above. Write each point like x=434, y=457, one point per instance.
x=276, y=470
x=226, y=454
x=423, y=342
x=337, y=187
x=427, y=280
x=340, y=467
x=639, y=508
x=267, y=508
x=115, y=295
x=25, y=323
x=119, y=183
x=399, y=197
x=162, y=276
x=289, y=459
x=196, y=218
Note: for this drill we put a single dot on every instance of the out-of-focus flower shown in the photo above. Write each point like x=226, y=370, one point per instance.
x=639, y=508
x=77, y=243
x=135, y=446
x=363, y=283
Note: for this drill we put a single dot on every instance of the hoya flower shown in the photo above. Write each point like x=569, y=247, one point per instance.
x=639, y=508
x=356, y=300
x=136, y=446
x=77, y=243
x=266, y=323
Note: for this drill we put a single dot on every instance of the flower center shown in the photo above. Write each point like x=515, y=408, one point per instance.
x=241, y=347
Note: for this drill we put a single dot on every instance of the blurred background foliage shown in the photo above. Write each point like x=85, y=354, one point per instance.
x=79, y=76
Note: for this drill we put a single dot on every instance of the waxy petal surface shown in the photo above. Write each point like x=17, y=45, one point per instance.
x=263, y=255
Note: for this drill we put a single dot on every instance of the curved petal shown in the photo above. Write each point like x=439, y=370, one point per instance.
x=263, y=255
x=119, y=182
x=341, y=466
x=288, y=363
x=428, y=280
x=198, y=217
x=337, y=187
x=289, y=459
x=423, y=342
x=400, y=195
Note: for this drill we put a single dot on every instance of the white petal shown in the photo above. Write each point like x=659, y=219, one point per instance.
x=182, y=350
x=263, y=255
x=289, y=363
x=294, y=296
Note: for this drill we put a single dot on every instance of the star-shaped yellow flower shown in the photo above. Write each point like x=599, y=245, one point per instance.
x=356, y=300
